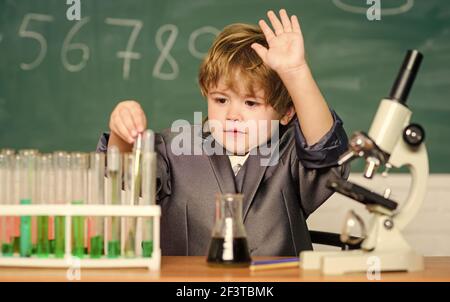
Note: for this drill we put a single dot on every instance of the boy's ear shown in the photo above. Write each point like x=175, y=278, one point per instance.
x=287, y=117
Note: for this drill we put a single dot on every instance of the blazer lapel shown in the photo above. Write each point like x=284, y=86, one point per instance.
x=256, y=166
x=221, y=166
x=223, y=173
x=254, y=172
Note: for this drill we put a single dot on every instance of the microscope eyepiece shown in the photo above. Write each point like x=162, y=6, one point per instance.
x=406, y=76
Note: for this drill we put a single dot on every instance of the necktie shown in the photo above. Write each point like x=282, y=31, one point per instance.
x=236, y=169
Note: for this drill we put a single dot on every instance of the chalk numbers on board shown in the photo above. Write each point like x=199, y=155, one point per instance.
x=25, y=32
x=128, y=53
x=68, y=46
x=75, y=55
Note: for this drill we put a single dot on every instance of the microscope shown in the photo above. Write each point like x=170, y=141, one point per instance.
x=392, y=141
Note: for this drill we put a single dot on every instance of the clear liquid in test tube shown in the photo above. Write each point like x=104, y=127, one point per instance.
x=96, y=196
x=114, y=191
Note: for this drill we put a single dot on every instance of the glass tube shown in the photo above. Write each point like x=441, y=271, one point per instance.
x=51, y=200
x=12, y=195
x=61, y=169
x=78, y=171
x=43, y=197
x=131, y=186
x=16, y=200
x=96, y=196
x=114, y=185
x=148, y=190
x=5, y=237
x=27, y=170
x=7, y=157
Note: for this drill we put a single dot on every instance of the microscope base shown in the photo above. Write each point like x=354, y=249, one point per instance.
x=339, y=263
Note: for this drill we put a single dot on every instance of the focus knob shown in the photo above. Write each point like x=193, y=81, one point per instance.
x=414, y=135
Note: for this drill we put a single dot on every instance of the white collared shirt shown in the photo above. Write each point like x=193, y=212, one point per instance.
x=237, y=161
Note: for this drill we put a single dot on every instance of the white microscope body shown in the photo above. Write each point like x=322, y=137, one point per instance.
x=391, y=141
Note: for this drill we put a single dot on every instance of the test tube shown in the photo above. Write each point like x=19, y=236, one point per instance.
x=96, y=196
x=16, y=200
x=132, y=190
x=27, y=170
x=79, y=166
x=148, y=189
x=12, y=192
x=114, y=185
x=6, y=223
x=61, y=169
x=2, y=199
x=51, y=200
x=43, y=198
x=6, y=197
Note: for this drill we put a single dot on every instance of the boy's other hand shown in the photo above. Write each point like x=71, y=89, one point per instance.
x=286, y=51
x=127, y=121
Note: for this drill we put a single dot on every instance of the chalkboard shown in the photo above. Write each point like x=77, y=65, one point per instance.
x=60, y=79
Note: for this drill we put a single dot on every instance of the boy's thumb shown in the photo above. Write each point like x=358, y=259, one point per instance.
x=260, y=50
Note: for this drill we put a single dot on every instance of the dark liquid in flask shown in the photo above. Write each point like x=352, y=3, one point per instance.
x=220, y=251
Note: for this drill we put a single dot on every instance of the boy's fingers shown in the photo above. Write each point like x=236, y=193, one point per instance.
x=295, y=24
x=268, y=33
x=122, y=131
x=127, y=120
x=285, y=20
x=276, y=24
x=260, y=50
x=138, y=117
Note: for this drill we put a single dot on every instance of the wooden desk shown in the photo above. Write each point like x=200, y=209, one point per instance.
x=192, y=269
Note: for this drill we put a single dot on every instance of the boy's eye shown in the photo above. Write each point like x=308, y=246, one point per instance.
x=220, y=100
x=251, y=103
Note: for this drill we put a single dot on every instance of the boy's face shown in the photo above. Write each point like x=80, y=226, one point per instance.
x=239, y=121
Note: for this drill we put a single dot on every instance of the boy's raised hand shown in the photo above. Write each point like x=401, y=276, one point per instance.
x=127, y=120
x=286, y=51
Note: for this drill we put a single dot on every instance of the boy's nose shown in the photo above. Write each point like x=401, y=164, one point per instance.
x=234, y=113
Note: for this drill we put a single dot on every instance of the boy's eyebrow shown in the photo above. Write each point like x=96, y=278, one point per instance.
x=218, y=92
x=247, y=95
x=254, y=96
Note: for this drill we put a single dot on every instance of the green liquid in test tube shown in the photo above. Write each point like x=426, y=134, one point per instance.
x=114, y=184
x=61, y=163
x=79, y=166
x=43, y=197
x=96, y=196
x=60, y=227
x=148, y=189
x=27, y=186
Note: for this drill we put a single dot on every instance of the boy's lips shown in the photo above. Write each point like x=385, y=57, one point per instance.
x=234, y=131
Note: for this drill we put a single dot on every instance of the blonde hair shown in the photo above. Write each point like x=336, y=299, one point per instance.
x=230, y=53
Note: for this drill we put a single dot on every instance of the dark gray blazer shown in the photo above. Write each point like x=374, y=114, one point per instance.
x=277, y=199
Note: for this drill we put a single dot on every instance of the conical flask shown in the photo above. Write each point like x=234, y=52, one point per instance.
x=228, y=246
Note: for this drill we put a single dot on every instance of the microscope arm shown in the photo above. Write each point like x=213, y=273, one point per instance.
x=416, y=159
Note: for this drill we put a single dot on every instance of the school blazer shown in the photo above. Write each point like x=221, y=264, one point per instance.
x=277, y=199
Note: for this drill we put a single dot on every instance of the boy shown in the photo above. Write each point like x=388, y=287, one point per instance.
x=249, y=74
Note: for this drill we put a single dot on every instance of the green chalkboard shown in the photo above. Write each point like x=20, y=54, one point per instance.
x=60, y=79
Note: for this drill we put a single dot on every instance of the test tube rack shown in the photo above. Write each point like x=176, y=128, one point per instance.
x=68, y=211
